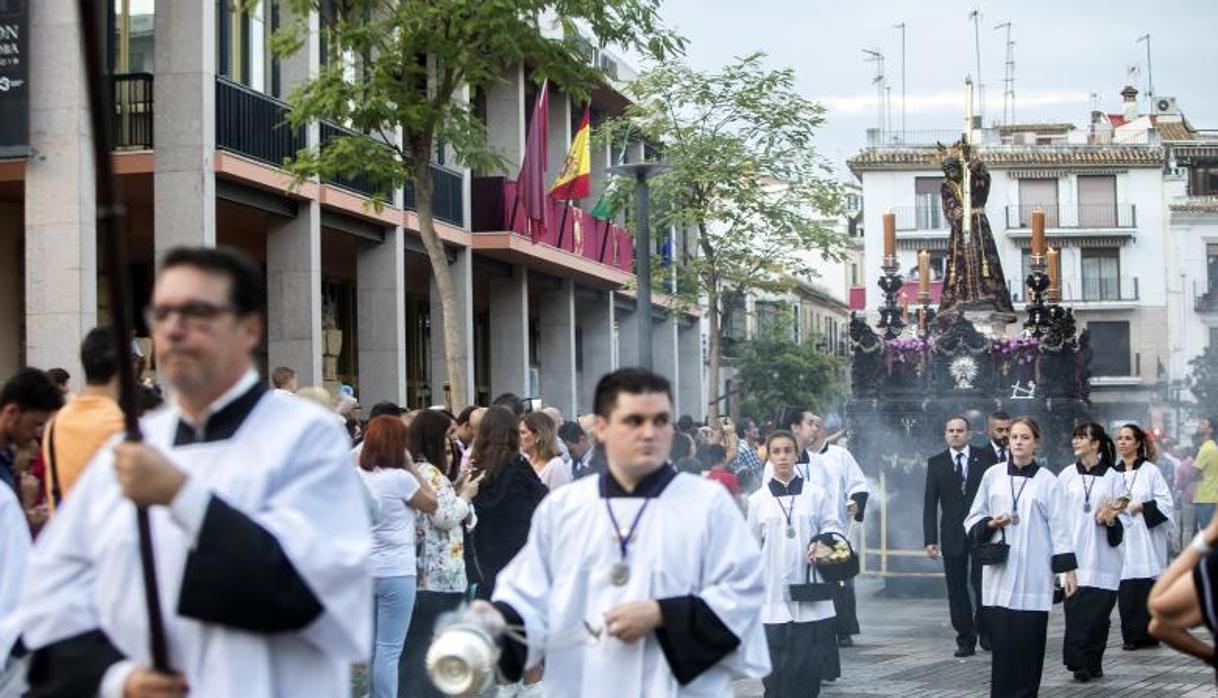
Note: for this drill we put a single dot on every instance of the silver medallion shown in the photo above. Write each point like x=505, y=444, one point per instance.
x=1086, y=507
x=1015, y=518
x=619, y=574
x=790, y=532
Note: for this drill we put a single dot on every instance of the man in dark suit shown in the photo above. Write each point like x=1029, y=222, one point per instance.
x=952, y=478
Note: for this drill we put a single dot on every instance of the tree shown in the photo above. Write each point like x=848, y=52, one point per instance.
x=776, y=372
x=747, y=179
x=1202, y=381
x=402, y=67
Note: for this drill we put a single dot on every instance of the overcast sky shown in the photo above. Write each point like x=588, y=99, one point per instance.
x=1065, y=50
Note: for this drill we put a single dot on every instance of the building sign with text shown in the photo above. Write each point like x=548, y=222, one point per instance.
x=14, y=78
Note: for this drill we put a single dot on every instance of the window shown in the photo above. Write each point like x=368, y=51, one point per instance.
x=854, y=274
x=1101, y=274
x=1110, y=342
x=131, y=47
x=1211, y=266
x=1038, y=192
x=928, y=204
x=1214, y=337
x=1097, y=201
x=243, y=43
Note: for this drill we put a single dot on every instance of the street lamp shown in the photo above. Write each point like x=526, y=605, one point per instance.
x=641, y=172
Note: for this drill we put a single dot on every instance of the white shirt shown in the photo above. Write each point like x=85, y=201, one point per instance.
x=1099, y=563
x=1145, y=547
x=556, y=473
x=785, y=560
x=962, y=461
x=393, y=535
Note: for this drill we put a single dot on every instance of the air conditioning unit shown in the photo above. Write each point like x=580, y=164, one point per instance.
x=1166, y=106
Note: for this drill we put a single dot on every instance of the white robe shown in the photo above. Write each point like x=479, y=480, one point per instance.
x=1099, y=563
x=288, y=469
x=690, y=540
x=839, y=475
x=14, y=549
x=784, y=559
x=1146, y=548
x=1025, y=581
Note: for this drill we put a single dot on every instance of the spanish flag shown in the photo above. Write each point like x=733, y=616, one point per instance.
x=573, y=181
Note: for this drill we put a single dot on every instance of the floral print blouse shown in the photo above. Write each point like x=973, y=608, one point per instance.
x=440, y=536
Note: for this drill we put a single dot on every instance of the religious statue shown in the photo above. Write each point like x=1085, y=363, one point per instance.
x=974, y=273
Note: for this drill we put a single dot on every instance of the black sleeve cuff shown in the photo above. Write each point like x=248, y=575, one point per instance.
x=1116, y=533
x=73, y=667
x=981, y=532
x=1064, y=562
x=692, y=637
x=1152, y=515
x=859, y=498
x=514, y=654
x=239, y=576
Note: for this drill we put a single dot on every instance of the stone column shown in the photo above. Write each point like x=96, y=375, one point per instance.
x=381, y=318
x=463, y=280
x=11, y=282
x=559, y=132
x=596, y=323
x=61, y=275
x=293, y=270
x=691, y=380
x=509, y=348
x=664, y=356
x=557, y=350
x=627, y=334
x=184, y=125
x=505, y=118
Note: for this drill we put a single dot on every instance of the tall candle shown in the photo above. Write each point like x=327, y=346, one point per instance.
x=904, y=308
x=1053, y=261
x=890, y=236
x=923, y=273
x=1038, y=231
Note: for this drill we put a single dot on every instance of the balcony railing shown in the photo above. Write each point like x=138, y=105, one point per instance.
x=920, y=217
x=928, y=137
x=1109, y=289
x=447, y=195
x=360, y=183
x=132, y=125
x=1078, y=216
x=567, y=227
x=1205, y=296
x=254, y=124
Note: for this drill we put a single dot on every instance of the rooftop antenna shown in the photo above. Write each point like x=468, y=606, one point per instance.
x=1008, y=81
x=901, y=26
x=876, y=57
x=975, y=15
x=1150, y=73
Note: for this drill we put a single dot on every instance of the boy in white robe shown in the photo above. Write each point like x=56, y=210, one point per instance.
x=638, y=582
x=260, y=535
x=14, y=548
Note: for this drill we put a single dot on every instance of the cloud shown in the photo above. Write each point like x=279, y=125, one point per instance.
x=944, y=102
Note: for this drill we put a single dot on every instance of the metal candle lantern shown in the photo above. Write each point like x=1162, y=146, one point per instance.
x=461, y=660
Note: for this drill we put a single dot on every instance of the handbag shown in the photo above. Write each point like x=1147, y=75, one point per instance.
x=809, y=590
x=993, y=552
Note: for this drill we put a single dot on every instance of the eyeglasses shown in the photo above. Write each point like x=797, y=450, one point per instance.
x=193, y=313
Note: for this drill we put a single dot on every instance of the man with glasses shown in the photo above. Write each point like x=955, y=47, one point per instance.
x=259, y=528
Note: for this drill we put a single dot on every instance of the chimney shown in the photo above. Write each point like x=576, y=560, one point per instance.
x=1130, y=95
x=1101, y=128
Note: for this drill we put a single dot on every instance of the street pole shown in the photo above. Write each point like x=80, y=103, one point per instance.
x=1150, y=73
x=642, y=172
x=901, y=26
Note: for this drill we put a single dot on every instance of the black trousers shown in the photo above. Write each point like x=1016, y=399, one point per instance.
x=1132, y=598
x=1018, y=642
x=846, y=608
x=1087, y=627
x=966, y=615
x=798, y=651
x=429, y=606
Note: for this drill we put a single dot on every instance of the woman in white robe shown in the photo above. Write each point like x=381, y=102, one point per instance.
x=1145, y=548
x=787, y=515
x=1092, y=490
x=1023, y=501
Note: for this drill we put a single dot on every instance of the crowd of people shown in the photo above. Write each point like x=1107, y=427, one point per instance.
x=293, y=538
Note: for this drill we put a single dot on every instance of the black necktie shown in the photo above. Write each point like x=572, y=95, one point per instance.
x=1002, y=455
x=960, y=471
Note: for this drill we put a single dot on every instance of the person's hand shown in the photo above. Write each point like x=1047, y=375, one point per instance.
x=932, y=551
x=852, y=508
x=144, y=682
x=1134, y=508
x=633, y=620
x=1070, y=584
x=470, y=484
x=1000, y=521
x=29, y=489
x=484, y=615
x=37, y=516
x=145, y=476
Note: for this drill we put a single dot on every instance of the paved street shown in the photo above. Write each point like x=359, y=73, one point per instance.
x=906, y=648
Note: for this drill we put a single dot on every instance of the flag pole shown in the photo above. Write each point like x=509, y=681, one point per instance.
x=562, y=225
x=112, y=226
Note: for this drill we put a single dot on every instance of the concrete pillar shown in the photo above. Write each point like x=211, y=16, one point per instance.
x=509, y=348
x=11, y=281
x=60, y=196
x=627, y=336
x=463, y=280
x=664, y=356
x=381, y=318
x=293, y=270
x=560, y=134
x=602, y=158
x=596, y=325
x=691, y=372
x=184, y=125
x=557, y=350
x=505, y=118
